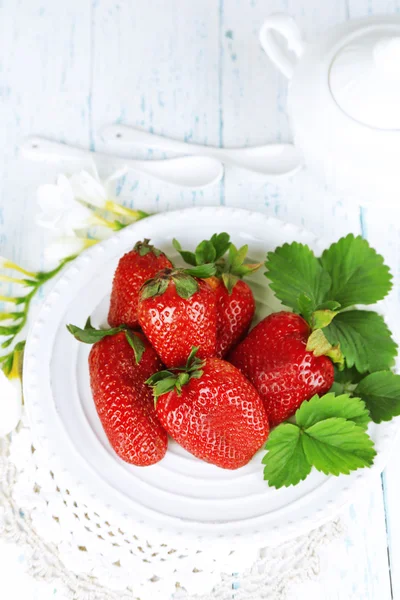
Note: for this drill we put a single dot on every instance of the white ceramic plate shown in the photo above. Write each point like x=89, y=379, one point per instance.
x=180, y=494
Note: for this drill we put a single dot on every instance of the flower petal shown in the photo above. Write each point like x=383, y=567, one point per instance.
x=66, y=190
x=10, y=403
x=89, y=189
x=63, y=247
x=49, y=198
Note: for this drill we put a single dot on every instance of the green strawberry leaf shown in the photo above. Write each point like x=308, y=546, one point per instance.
x=202, y=271
x=153, y=287
x=208, y=251
x=321, y=318
x=221, y=243
x=188, y=257
x=318, y=344
x=205, y=253
x=347, y=376
x=163, y=386
x=285, y=462
x=329, y=434
x=185, y=285
x=329, y=305
x=230, y=281
x=136, y=344
x=90, y=335
x=235, y=267
x=237, y=256
x=381, y=394
x=159, y=376
x=295, y=272
x=327, y=406
x=364, y=340
x=193, y=362
x=336, y=445
x=175, y=378
x=305, y=307
x=358, y=273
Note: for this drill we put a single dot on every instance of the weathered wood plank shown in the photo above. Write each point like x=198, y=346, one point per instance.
x=44, y=86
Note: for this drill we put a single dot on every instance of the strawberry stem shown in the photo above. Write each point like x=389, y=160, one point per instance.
x=212, y=252
x=167, y=381
x=91, y=335
x=143, y=248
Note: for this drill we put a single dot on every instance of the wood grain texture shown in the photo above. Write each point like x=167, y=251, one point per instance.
x=194, y=71
x=44, y=82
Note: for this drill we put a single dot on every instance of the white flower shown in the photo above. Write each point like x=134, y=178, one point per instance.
x=10, y=403
x=62, y=247
x=91, y=189
x=60, y=211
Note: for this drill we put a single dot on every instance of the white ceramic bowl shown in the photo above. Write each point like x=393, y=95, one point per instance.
x=181, y=494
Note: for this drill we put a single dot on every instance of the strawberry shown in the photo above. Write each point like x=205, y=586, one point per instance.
x=177, y=311
x=275, y=359
x=235, y=300
x=120, y=362
x=211, y=410
x=134, y=268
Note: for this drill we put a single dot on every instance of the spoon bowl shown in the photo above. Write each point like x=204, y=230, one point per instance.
x=195, y=172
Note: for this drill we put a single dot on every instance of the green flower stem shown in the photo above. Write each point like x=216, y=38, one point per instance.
x=118, y=209
x=10, y=315
x=40, y=279
x=102, y=222
x=16, y=280
x=44, y=276
x=8, y=264
x=10, y=299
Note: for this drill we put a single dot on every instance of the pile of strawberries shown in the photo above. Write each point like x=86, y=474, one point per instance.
x=177, y=359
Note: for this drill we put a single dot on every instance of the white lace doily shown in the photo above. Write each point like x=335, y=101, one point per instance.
x=97, y=554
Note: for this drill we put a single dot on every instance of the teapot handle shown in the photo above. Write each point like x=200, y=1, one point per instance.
x=288, y=28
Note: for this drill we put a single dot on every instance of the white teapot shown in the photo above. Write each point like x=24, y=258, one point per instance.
x=344, y=102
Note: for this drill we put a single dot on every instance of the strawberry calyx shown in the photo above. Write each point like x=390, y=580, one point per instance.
x=174, y=379
x=235, y=267
x=318, y=319
x=230, y=269
x=91, y=335
x=185, y=281
x=319, y=345
x=208, y=251
x=143, y=248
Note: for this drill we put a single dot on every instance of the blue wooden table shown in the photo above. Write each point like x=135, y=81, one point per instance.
x=194, y=71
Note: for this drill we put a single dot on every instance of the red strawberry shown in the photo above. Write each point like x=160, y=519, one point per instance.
x=235, y=300
x=212, y=411
x=235, y=312
x=120, y=362
x=178, y=311
x=274, y=357
x=134, y=268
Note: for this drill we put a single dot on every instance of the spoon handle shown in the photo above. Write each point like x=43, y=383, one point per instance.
x=192, y=172
x=271, y=161
x=37, y=148
x=123, y=134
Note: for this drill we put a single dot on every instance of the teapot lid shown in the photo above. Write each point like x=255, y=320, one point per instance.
x=364, y=78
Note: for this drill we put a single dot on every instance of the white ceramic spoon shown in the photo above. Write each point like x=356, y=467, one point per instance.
x=272, y=160
x=188, y=171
